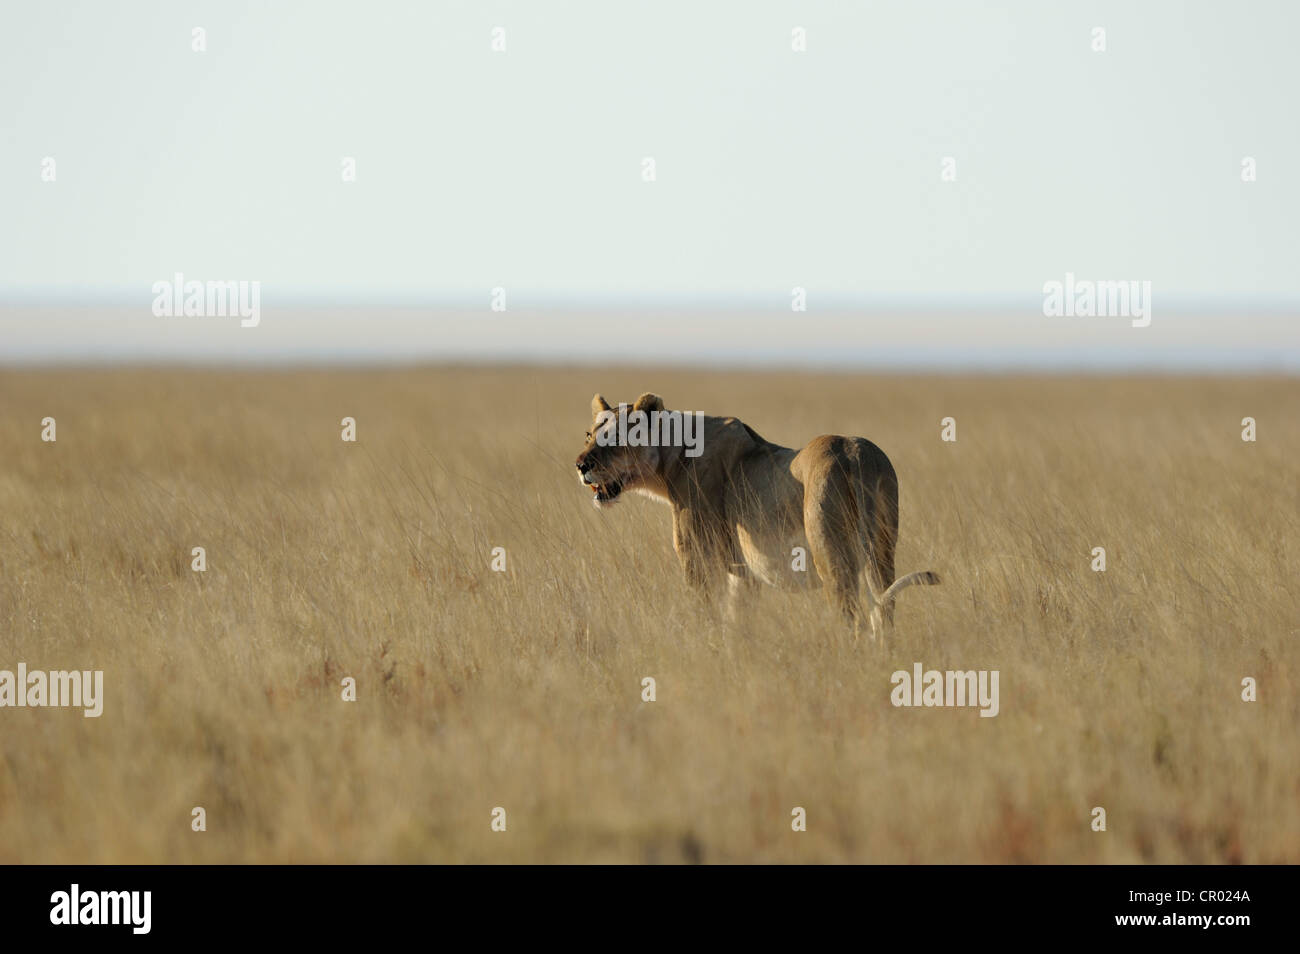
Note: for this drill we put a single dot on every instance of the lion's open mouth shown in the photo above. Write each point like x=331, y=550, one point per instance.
x=607, y=491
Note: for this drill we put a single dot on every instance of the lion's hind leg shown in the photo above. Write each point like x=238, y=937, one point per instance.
x=830, y=519
x=874, y=584
x=882, y=534
x=877, y=529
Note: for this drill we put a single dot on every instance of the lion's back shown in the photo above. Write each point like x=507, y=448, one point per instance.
x=856, y=457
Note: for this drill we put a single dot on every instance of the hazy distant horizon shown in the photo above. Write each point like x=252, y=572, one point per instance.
x=883, y=339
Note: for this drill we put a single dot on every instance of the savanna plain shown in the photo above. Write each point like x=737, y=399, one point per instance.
x=522, y=689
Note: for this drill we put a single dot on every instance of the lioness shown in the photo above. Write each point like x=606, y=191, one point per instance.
x=742, y=504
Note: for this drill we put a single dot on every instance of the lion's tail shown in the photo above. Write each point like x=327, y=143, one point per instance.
x=919, y=578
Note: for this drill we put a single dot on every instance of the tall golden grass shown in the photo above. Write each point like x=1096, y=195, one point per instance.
x=522, y=690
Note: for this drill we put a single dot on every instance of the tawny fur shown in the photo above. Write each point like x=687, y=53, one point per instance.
x=742, y=507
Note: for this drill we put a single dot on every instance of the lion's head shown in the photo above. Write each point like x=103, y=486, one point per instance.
x=609, y=465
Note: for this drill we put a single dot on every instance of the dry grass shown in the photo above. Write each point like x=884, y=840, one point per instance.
x=480, y=689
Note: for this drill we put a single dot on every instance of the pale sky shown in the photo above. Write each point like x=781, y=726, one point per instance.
x=523, y=169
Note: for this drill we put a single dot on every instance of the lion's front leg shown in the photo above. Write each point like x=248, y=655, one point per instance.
x=691, y=555
x=700, y=545
x=740, y=590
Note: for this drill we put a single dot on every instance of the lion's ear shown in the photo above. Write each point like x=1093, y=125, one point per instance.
x=598, y=404
x=649, y=402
